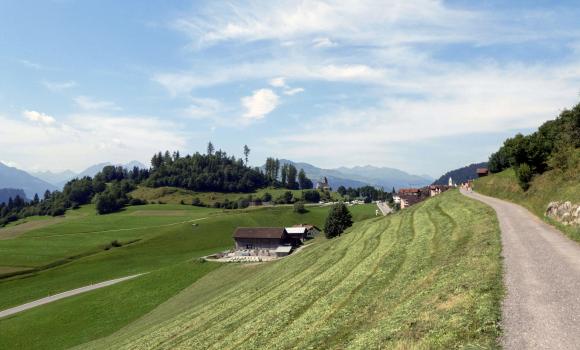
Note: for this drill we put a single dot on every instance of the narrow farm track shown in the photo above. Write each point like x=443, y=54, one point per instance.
x=63, y=295
x=542, y=277
x=428, y=277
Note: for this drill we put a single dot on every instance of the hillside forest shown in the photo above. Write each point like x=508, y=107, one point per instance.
x=555, y=145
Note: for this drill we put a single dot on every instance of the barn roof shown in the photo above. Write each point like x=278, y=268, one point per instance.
x=259, y=232
x=482, y=170
x=296, y=230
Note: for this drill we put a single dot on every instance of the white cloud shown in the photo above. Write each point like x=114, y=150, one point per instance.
x=260, y=103
x=278, y=82
x=38, y=117
x=291, y=92
x=88, y=139
x=89, y=103
x=56, y=86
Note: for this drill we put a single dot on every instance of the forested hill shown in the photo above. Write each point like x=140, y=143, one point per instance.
x=214, y=171
x=461, y=175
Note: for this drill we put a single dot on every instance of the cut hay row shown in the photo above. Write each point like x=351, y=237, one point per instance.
x=429, y=277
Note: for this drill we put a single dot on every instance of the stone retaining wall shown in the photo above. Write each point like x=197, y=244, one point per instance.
x=564, y=212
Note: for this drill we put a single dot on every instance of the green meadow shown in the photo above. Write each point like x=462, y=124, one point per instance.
x=428, y=277
x=159, y=240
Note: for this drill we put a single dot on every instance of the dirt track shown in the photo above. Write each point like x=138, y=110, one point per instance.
x=542, y=276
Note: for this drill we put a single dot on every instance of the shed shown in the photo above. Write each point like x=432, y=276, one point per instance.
x=283, y=250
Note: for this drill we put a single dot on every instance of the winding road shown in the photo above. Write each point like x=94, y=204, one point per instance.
x=541, y=309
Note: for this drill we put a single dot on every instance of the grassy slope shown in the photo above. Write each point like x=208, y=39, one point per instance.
x=429, y=277
x=175, y=195
x=548, y=187
x=167, y=252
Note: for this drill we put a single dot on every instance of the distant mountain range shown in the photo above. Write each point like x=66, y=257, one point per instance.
x=14, y=178
x=7, y=193
x=461, y=175
x=363, y=175
x=61, y=178
x=39, y=182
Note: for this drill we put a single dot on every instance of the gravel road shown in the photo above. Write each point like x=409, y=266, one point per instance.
x=542, y=277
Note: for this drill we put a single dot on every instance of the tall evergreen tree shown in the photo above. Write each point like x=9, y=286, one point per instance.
x=210, y=148
x=338, y=220
x=291, y=177
x=246, y=153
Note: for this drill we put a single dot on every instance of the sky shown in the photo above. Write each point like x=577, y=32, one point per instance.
x=423, y=86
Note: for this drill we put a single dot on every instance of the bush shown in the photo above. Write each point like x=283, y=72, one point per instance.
x=137, y=201
x=299, y=208
x=267, y=197
x=338, y=220
x=286, y=198
x=243, y=203
x=311, y=196
x=524, y=174
x=197, y=202
x=107, y=203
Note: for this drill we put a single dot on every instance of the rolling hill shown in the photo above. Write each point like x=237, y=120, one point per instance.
x=11, y=177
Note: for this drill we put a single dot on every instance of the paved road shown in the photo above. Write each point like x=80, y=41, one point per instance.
x=63, y=295
x=384, y=208
x=542, y=275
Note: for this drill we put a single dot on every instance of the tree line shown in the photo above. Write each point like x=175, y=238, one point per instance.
x=109, y=189
x=553, y=146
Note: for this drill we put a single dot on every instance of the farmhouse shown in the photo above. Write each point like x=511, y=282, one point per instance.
x=267, y=238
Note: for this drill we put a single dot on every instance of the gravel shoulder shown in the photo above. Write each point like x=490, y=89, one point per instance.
x=541, y=309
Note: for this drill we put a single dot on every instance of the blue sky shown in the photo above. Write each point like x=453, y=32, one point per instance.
x=424, y=86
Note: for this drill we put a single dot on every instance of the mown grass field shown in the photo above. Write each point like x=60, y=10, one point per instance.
x=551, y=186
x=167, y=247
x=173, y=195
x=428, y=277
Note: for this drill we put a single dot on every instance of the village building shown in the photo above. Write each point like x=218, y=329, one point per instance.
x=302, y=232
x=271, y=241
x=267, y=238
x=323, y=184
x=437, y=189
x=481, y=172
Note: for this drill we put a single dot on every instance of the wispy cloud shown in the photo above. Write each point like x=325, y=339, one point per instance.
x=56, y=86
x=31, y=64
x=91, y=104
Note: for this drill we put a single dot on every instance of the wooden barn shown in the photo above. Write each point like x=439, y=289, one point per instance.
x=260, y=237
